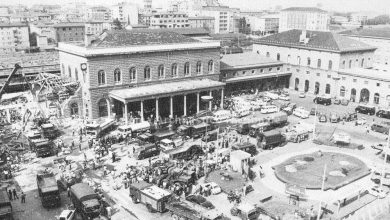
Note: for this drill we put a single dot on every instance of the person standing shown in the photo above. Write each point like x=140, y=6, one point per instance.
x=10, y=194
x=15, y=194
x=23, y=197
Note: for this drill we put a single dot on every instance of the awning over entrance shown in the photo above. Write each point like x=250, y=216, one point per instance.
x=254, y=77
x=165, y=89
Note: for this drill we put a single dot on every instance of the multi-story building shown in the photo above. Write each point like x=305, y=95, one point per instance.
x=96, y=27
x=45, y=29
x=268, y=24
x=378, y=37
x=328, y=63
x=202, y=22
x=223, y=15
x=14, y=36
x=125, y=12
x=98, y=13
x=145, y=19
x=243, y=72
x=66, y=32
x=169, y=20
x=304, y=18
x=151, y=73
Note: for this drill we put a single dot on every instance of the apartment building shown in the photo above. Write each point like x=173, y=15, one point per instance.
x=14, y=36
x=304, y=18
x=169, y=20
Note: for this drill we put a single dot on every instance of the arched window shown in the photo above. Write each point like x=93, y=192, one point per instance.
x=288, y=58
x=350, y=64
x=117, y=75
x=307, y=85
x=376, y=98
x=278, y=57
x=319, y=63
x=101, y=77
x=327, y=89
x=187, y=69
x=296, y=84
x=362, y=63
x=199, y=67
x=330, y=65
x=267, y=54
x=210, y=66
x=76, y=74
x=308, y=61
x=74, y=109
x=147, y=73
x=103, y=108
x=299, y=60
x=342, y=91
x=174, y=70
x=69, y=72
x=133, y=74
x=343, y=66
x=161, y=71
x=63, y=70
x=316, y=88
x=364, y=95
x=353, y=95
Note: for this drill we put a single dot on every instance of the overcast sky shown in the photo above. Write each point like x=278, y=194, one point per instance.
x=382, y=6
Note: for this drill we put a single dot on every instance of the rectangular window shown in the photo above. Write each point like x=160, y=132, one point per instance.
x=270, y=69
x=354, y=80
x=243, y=72
x=343, y=78
x=297, y=70
x=328, y=76
x=261, y=70
x=378, y=84
x=366, y=82
x=278, y=69
x=307, y=72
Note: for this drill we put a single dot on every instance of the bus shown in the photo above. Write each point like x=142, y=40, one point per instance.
x=98, y=129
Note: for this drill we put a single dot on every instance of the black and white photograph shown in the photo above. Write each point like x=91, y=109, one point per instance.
x=194, y=110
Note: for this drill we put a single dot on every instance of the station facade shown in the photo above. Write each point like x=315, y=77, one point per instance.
x=328, y=63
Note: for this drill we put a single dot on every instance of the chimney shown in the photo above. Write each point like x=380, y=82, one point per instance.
x=303, y=38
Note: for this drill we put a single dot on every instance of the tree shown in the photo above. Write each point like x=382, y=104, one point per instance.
x=381, y=19
x=117, y=24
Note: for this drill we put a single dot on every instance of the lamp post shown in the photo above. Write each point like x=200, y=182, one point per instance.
x=207, y=98
x=315, y=122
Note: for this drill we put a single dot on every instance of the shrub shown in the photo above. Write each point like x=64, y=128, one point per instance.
x=308, y=159
x=344, y=171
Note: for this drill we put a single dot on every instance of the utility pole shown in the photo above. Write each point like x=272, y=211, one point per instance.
x=322, y=189
x=315, y=122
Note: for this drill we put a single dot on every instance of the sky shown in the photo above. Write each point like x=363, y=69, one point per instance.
x=381, y=6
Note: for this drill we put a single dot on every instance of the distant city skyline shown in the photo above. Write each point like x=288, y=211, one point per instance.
x=380, y=6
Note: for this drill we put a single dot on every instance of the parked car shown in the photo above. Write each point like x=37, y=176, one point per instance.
x=361, y=121
x=351, y=116
x=383, y=114
x=66, y=215
x=322, y=118
x=284, y=97
x=322, y=100
x=302, y=95
x=344, y=102
x=314, y=112
x=334, y=118
x=365, y=109
x=200, y=200
x=337, y=101
x=215, y=189
x=381, y=128
x=378, y=191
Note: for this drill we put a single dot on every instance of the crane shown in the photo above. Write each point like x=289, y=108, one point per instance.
x=5, y=86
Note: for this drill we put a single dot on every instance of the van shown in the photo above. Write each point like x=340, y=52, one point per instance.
x=365, y=109
x=146, y=151
x=221, y=115
x=301, y=113
x=269, y=109
x=381, y=128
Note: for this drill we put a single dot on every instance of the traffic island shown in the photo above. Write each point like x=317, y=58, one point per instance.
x=227, y=180
x=307, y=170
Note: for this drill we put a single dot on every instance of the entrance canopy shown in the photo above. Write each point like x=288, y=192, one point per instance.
x=255, y=77
x=165, y=89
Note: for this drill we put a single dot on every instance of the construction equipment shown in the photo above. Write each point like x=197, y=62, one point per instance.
x=7, y=82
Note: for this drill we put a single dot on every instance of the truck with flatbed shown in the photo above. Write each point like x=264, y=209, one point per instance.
x=48, y=189
x=153, y=197
x=184, y=211
x=85, y=200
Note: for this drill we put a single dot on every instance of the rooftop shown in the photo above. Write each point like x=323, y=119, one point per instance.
x=383, y=32
x=70, y=24
x=372, y=73
x=318, y=40
x=164, y=89
x=304, y=9
x=191, y=31
x=239, y=154
x=201, y=18
x=245, y=60
x=120, y=38
x=13, y=25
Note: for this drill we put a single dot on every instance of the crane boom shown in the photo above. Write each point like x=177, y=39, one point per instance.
x=5, y=86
